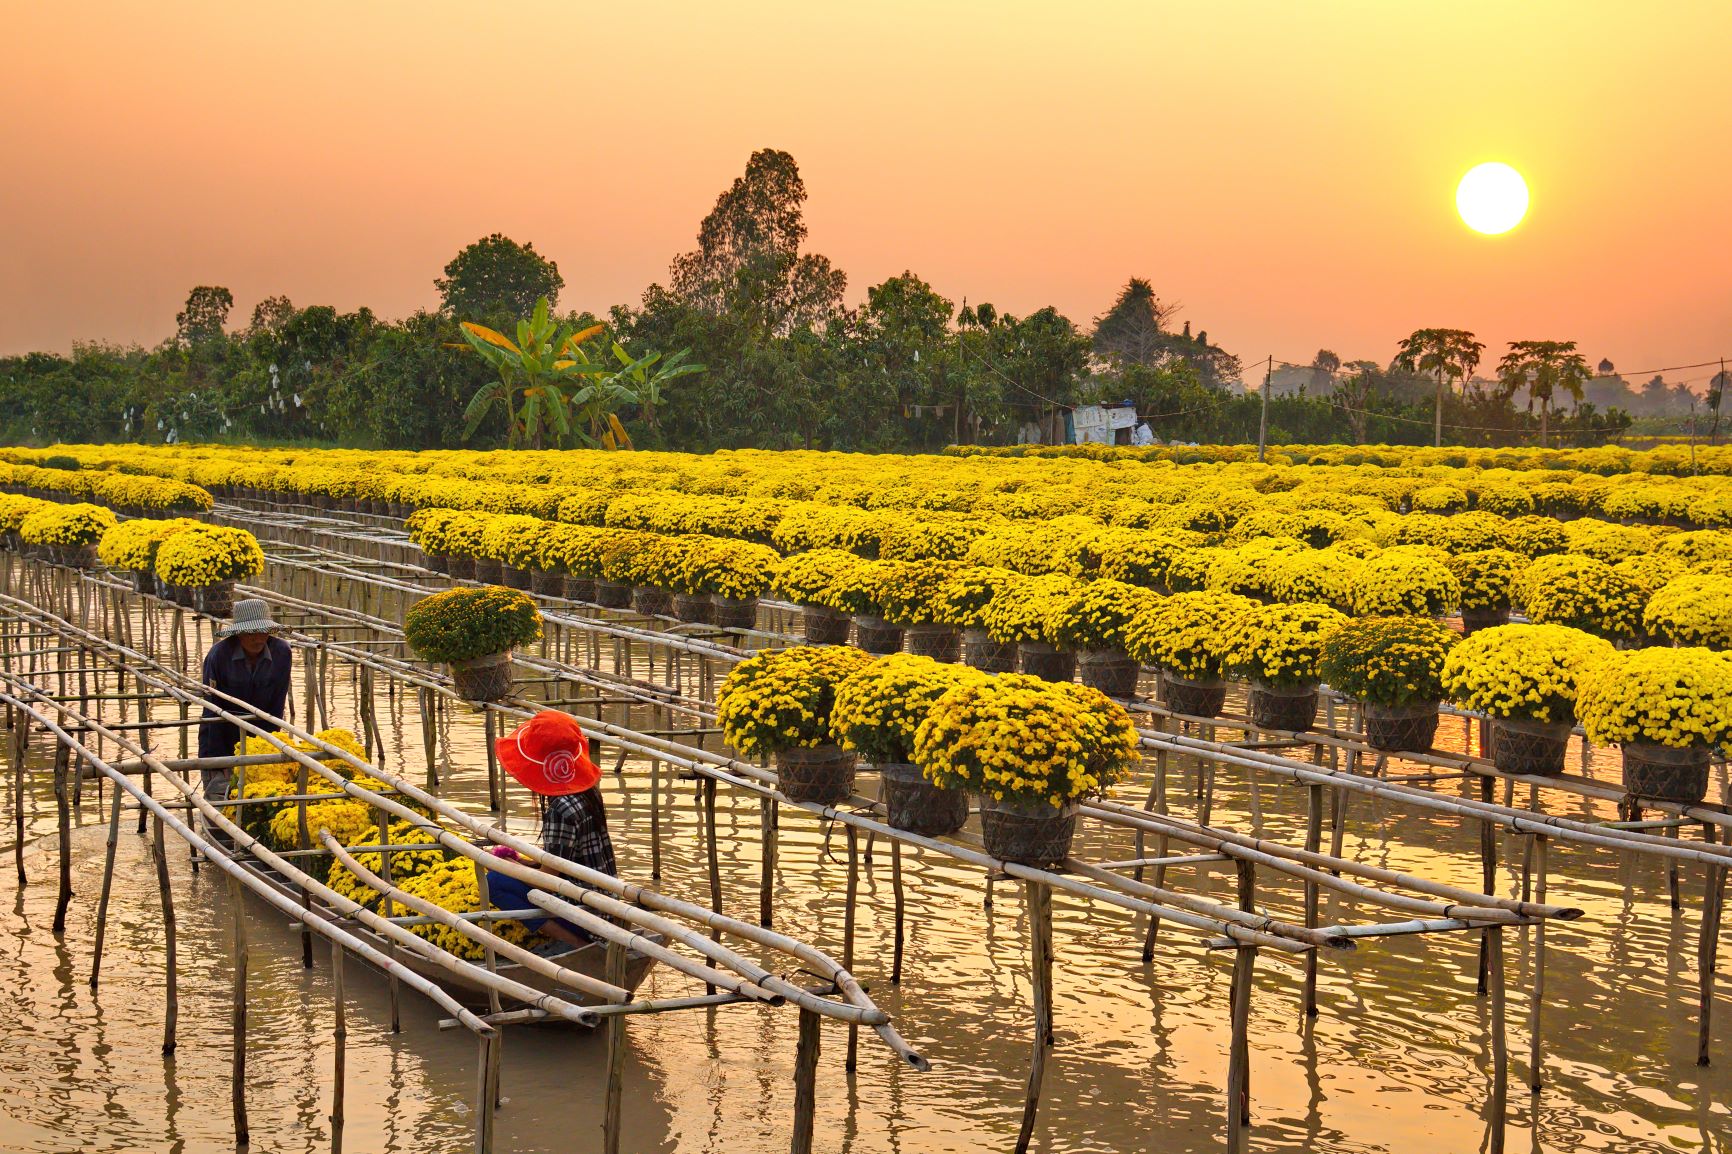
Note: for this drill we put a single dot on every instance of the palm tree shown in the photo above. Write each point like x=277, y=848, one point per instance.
x=1449, y=354
x=1544, y=368
x=531, y=370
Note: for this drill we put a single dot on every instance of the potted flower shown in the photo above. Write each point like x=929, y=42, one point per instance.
x=474, y=630
x=1487, y=580
x=878, y=710
x=1524, y=678
x=961, y=602
x=908, y=592
x=730, y=575
x=1022, y=615
x=1392, y=666
x=1276, y=648
x=1396, y=582
x=859, y=592
x=207, y=560
x=575, y=551
x=1185, y=637
x=427, y=532
x=619, y=567
x=1578, y=591
x=1668, y=709
x=1031, y=749
x=1694, y=609
x=509, y=542
x=1092, y=622
x=1326, y=576
x=130, y=547
x=809, y=579
x=780, y=703
x=68, y=533
x=1143, y=558
x=462, y=541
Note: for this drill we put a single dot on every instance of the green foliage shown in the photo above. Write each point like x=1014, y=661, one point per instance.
x=496, y=280
x=206, y=312
x=465, y=623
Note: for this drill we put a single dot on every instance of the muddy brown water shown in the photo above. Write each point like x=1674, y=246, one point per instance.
x=1397, y=1060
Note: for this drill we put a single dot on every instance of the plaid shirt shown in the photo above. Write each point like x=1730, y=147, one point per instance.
x=574, y=826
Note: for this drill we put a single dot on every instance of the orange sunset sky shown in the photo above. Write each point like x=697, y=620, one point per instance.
x=1286, y=169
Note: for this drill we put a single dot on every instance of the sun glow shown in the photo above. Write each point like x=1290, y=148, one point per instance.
x=1492, y=198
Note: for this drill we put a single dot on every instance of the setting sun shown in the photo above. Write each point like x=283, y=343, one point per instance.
x=1492, y=198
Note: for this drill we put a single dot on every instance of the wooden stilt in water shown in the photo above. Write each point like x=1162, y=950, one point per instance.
x=1040, y=936
x=340, y=1043
x=63, y=809
x=1313, y=841
x=484, y=1100
x=490, y=727
x=1488, y=871
x=1708, y=949
x=1239, y=1050
x=393, y=985
x=767, y=822
x=655, y=818
x=614, y=1112
x=20, y=750
x=1499, y=1039
x=714, y=853
x=238, y=1015
x=159, y=855
x=107, y=884
x=1540, y=846
x=848, y=921
x=806, y=1083
x=896, y=897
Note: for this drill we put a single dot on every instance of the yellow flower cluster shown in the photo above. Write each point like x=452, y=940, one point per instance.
x=68, y=526
x=206, y=554
x=738, y=569
x=783, y=700
x=1526, y=672
x=1396, y=582
x=1676, y=697
x=405, y=865
x=963, y=597
x=1097, y=615
x=133, y=544
x=1019, y=738
x=1187, y=632
x=1279, y=645
x=451, y=885
x=1024, y=610
x=289, y=771
x=1388, y=660
x=1694, y=609
x=465, y=623
x=1576, y=590
x=879, y=707
x=1487, y=577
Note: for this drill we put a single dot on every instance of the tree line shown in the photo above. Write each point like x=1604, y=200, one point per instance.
x=768, y=354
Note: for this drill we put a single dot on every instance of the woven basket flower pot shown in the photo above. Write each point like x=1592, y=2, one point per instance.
x=460, y=567
x=651, y=602
x=485, y=678
x=516, y=578
x=1401, y=728
x=438, y=562
x=579, y=588
x=1290, y=710
x=488, y=571
x=1666, y=773
x=1473, y=620
x=736, y=612
x=612, y=595
x=1032, y=835
x=823, y=775
x=877, y=635
x=183, y=595
x=694, y=608
x=546, y=583
x=1193, y=697
x=1042, y=660
x=218, y=600
x=823, y=626
x=143, y=581
x=939, y=642
x=980, y=651
x=1530, y=747
x=916, y=805
x=1112, y=672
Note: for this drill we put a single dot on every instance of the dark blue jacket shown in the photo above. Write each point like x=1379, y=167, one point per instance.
x=264, y=686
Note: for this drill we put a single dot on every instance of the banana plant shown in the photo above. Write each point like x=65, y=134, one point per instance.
x=533, y=372
x=648, y=374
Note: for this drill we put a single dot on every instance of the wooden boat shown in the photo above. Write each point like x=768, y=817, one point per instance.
x=590, y=960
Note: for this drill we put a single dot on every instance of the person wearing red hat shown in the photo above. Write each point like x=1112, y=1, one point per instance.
x=549, y=754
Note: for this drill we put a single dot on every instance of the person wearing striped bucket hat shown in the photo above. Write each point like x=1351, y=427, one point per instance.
x=549, y=755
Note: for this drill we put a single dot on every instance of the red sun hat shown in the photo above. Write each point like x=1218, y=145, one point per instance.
x=549, y=754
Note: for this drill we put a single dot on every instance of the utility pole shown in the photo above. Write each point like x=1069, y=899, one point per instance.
x=1263, y=421
x=1719, y=400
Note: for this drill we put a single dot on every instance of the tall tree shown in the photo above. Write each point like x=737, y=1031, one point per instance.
x=1544, y=369
x=498, y=280
x=1134, y=330
x=206, y=312
x=271, y=315
x=748, y=261
x=1447, y=354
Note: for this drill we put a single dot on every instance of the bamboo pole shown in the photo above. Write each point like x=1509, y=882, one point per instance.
x=1540, y=847
x=767, y=875
x=806, y=1083
x=1039, y=899
x=613, y=1113
x=1313, y=892
x=339, y=1042
x=171, y=979
x=897, y=934
x=1713, y=903
x=1498, y=1107
x=63, y=811
x=238, y=1015
x=107, y=886
x=848, y=921
x=20, y=750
